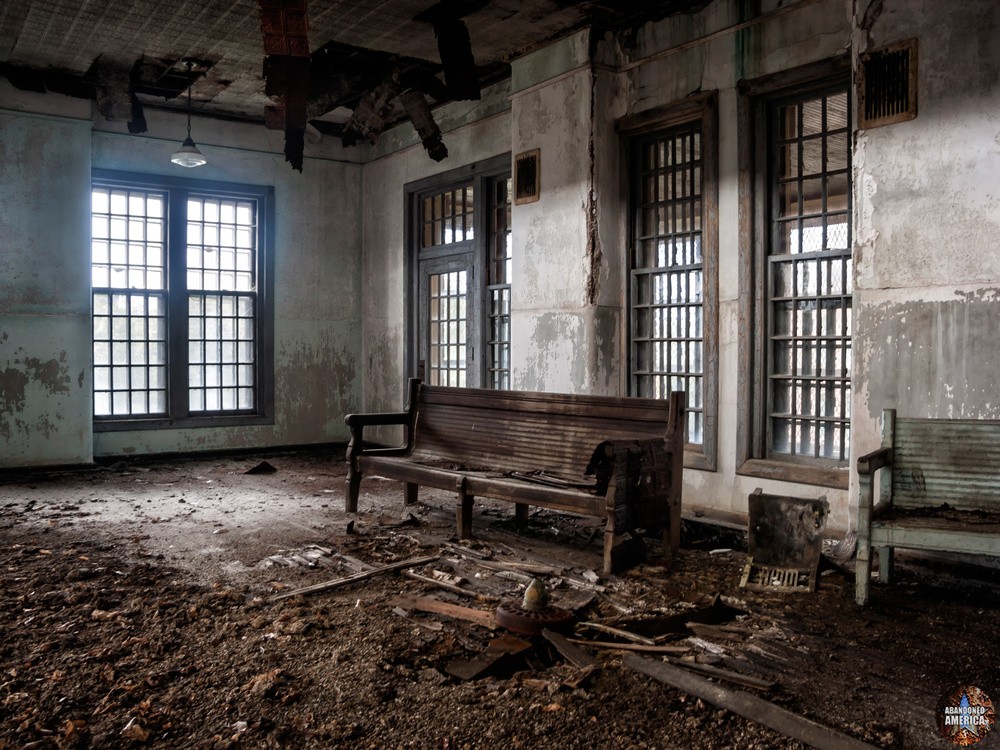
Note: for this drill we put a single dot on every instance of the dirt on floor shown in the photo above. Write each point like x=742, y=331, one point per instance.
x=138, y=609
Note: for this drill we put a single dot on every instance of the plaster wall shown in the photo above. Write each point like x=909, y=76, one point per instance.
x=480, y=132
x=45, y=300
x=668, y=69
x=564, y=332
x=927, y=224
x=44, y=308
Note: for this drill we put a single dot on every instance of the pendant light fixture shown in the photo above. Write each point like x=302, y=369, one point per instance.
x=188, y=154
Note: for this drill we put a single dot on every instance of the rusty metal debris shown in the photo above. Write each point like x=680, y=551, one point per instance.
x=514, y=617
x=785, y=542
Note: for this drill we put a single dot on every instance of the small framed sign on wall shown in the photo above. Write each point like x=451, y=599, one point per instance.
x=527, y=177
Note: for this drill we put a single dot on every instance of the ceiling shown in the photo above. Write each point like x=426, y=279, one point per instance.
x=122, y=50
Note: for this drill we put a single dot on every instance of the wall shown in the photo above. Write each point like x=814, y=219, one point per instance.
x=662, y=65
x=46, y=312
x=569, y=312
x=44, y=307
x=473, y=131
x=927, y=228
x=562, y=339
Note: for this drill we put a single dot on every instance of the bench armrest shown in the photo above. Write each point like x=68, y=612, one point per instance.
x=358, y=422
x=874, y=461
x=870, y=506
x=644, y=473
x=361, y=421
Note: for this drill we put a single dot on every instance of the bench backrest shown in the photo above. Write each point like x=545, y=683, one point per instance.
x=526, y=431
x=953, y=461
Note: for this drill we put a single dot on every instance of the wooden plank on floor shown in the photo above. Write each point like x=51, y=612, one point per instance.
x=747, y=705
x=438, y=607
x=338, y=582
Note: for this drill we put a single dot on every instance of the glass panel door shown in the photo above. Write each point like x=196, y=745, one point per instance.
x=449, y=322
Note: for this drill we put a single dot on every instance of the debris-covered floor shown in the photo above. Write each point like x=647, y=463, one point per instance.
x=139, y=609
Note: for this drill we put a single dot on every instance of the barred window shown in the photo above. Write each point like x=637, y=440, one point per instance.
x=673, y=264
x=668, y=274
x=460, y=262
x=179, y=303
x=809, y=274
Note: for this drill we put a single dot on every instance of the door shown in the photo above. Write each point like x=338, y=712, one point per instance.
x=449, y=321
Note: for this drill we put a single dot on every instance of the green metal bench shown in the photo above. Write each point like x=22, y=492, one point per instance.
x=937, y=489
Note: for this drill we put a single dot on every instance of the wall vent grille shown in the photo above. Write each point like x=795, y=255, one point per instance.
x=887, y=85
x=527, y=177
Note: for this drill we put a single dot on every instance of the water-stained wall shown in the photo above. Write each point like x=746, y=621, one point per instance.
x=44, y=287
x=473, y=132
x=45, y=354
x=927, y=299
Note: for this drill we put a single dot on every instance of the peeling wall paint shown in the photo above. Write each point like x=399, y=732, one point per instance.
x=44, y=307
x=927, y=271
x=937, y=358
x=485, y=134
x=317, y=308
x=45, y=329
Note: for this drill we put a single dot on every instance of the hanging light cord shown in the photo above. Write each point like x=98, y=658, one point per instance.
x=190, y=82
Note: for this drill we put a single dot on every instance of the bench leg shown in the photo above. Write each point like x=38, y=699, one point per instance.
x=410, y=496
x=521, y=515
x=885, y=563
x=862, y=571
x=463, y=512
x=353, y=490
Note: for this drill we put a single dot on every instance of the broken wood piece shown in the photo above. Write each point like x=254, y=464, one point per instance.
x=438, y=607
x=499, y=648
x=716, y=631
x=575, y=656
x=632, y=647
x=338, y=582
x=712, y=648
x=578, y=679
x=513, y=576
x=578, y=584
x=628, y=636
x=537, y=569
x=468, y=551
x=747, y=705
x=573, y=600
x=354, y=562
x=440, y=584
x=724, y=674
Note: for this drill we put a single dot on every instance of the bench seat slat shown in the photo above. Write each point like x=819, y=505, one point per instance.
x=939, y=536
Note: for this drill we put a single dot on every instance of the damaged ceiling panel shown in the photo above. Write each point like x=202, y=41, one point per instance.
x=127, y=54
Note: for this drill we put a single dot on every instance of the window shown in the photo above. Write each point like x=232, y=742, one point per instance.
x=803, y=270
x=672, y=281
x=181, y=309
x=460, y=264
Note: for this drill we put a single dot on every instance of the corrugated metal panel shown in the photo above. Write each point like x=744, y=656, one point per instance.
x=947, y=461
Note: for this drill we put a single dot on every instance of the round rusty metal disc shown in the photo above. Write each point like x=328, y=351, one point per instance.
x=515, y=618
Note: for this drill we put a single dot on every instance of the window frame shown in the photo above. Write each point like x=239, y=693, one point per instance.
x=175, y=291
x=483, y=175
x=701, y=109
x=754, y=457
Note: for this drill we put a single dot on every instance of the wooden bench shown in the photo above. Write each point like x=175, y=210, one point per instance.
x=939, y=490
x=535, y=449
